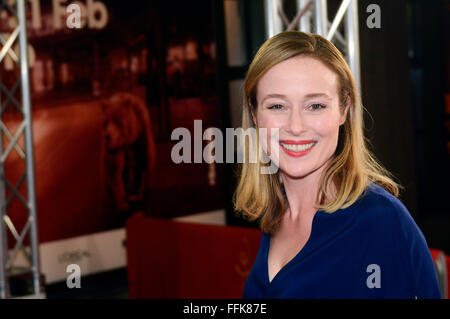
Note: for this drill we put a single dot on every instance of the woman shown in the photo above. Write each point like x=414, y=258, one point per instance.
x=332, y=225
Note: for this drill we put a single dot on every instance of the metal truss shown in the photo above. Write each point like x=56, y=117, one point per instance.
x=10, y=142
x=312, y=17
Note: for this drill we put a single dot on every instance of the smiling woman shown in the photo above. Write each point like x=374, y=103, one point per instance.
x=309, y=121
x=329, y=215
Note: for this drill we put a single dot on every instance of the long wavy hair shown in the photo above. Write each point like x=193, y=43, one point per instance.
x=352, y=168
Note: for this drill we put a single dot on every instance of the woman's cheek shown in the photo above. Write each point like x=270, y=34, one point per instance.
x=325, y=126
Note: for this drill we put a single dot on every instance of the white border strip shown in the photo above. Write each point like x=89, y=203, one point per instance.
x=98, y=252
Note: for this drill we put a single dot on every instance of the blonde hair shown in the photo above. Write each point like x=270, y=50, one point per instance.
x=352, y=168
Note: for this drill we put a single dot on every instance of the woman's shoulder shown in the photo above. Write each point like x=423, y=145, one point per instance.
x=376, y=200
x=386, y=222
x=379, y=207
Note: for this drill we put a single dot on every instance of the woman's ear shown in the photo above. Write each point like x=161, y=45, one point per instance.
x=344, y=114
x=252, y=112
x=253, y=118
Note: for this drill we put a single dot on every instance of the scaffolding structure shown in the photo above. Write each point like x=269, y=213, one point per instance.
x=312, y=17
x=15, y=13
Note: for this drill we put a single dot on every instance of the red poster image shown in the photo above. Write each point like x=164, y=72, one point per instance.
x=107, y=91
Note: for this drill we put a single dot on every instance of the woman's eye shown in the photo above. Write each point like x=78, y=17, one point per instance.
x=275, y=107
x=317, y=106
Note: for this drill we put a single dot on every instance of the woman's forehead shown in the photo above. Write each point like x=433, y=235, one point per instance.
x=298, y=76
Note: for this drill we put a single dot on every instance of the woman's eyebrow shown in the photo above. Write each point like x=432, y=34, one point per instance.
x=307, y=96
x=273, y=95
x=313, y=95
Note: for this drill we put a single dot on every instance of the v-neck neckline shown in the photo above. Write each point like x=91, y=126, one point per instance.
x=305, y=247
x=300, y=252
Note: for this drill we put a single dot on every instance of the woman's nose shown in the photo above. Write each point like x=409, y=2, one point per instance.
x=295, y=124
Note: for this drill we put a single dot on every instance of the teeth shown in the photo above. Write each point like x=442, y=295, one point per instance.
x=297, y=148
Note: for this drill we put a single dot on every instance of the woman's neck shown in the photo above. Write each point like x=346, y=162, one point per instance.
x=303, y=194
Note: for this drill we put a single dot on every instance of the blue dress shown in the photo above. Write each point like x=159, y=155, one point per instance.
x=371, y=249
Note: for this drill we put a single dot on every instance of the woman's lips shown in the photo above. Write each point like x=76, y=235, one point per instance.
x=297, y=148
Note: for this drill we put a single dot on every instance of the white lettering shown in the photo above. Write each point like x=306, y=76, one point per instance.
x=373, y=20
x=73, y=280
x=215, y=145
x=184, y=145
x=247, y=149
x=200, y=309
x=74, y=18
x=374, y=280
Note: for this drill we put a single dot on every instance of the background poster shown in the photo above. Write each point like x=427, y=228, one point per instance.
x=105, y=99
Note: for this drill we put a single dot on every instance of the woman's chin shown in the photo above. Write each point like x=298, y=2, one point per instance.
x=295, y=174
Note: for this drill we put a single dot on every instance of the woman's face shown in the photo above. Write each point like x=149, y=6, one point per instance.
x=300, y=97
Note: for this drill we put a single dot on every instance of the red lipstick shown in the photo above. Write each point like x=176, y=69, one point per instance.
x=294, y=153
x=297, y=142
